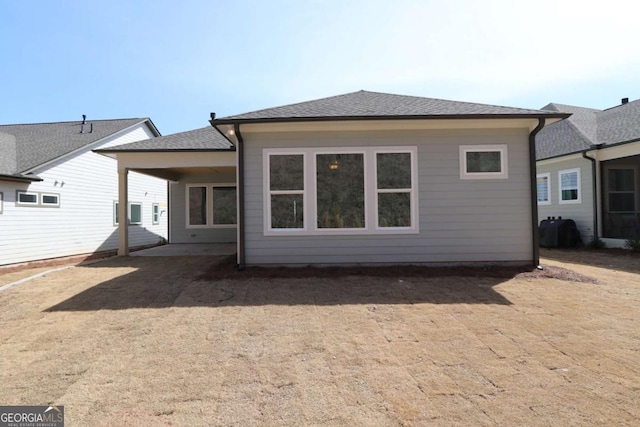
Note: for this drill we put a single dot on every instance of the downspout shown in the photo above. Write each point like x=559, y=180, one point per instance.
x=594, y=181
x=240, y=189
x=534, y=193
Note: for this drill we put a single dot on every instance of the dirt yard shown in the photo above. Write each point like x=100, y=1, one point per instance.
x=145, y=341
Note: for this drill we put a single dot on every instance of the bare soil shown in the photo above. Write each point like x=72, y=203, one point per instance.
x=167, y=341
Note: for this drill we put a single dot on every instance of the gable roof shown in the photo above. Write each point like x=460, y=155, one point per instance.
x=26, y=146
x=203, y=139
x=375, y=105
x=587, y=128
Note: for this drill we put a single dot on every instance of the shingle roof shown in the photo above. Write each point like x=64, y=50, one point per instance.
x=30, y=145
x=203, y=139
x=588, y=127
x=364, y=104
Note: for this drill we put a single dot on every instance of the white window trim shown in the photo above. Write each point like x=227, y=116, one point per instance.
x=115, y=213
x=504, y=161
x=307, y=183
x=31, y=193
x=548, y=176
x=209, y=211
x=141, y=213
x=310, y=209
x=569, y=202
x=155, y=206
x=57, y=196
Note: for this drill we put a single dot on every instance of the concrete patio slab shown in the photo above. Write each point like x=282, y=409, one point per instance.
x=189, y=249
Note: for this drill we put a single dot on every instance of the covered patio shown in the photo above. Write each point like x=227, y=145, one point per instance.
x=620, y=194
x=200, y=167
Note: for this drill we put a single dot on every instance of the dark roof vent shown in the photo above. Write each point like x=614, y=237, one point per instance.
x=625, y=101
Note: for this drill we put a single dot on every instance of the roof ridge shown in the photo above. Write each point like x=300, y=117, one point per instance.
x=74, y=121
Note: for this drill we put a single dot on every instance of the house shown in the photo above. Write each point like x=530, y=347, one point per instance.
x=360, y=178
x=588, y=171
x=58, y=198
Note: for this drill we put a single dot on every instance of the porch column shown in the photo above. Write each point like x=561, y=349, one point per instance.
x=123, y=212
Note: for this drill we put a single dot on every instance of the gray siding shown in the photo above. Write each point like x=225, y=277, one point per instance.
x=178, y=222
x=461, y=221
x=581, y=213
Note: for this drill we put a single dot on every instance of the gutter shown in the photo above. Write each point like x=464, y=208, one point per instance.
x=20, y=178
x=233, y=121
x=534, y=193
x=594, y=181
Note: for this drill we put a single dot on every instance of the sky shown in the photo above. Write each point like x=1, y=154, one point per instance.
x=178, y=61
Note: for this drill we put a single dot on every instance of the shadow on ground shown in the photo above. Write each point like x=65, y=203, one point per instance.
x=160, y=282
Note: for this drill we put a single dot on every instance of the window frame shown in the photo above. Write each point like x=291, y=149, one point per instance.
x=504, y=161
x=53, y=205
x=116, y=219
x=546, y=175
x=208, y=186
x=1, y=202
x=578, y=200
x=25, y=192
x=309, y=193
x=155, y=213
x=131, y=204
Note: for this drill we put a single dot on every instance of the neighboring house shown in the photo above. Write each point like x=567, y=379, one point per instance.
x=361, y=178
x=58, y=198
x=588, y=171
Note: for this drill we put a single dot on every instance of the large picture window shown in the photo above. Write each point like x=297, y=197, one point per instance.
x=569, y=182
x=211, y=205
x=341, y=190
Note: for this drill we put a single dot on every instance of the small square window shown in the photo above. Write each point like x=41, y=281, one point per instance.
x=135, y=213
x=25, y=198
x=483, y=162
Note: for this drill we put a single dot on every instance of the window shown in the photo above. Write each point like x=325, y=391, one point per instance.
x=197, y=205
x=155, y=214
x=483, y=162
x=25, y=198
x=393, y=179
x=364, y=190
x=224, y=205
x=569, y=182
x=286, y=191
x=211, y=205
x=621, y=188
x=135, y=213
x=51, y=199
x=542, y=184
x=116, y=213
x=340, y=190
x=1, y=201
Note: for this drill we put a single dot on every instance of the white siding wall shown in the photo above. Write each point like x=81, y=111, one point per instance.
x=461, y=221
x=179, y=231
x=581, y=213
x=88, y=186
